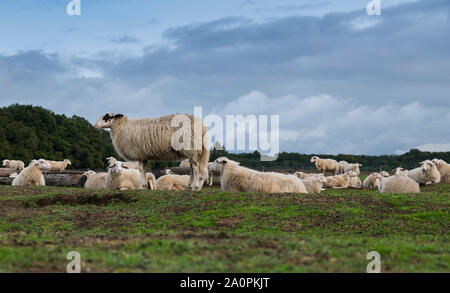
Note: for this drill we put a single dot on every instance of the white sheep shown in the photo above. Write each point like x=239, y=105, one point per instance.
x=185, y=163
x=32, y=175
x=444, y=170
x=339, y=181
x=235, y=178
x=120, y=177
x=313, y=184
x=355, y=181
x=156, y=139
x=342, y=165
x=95, y=180
x=373, y=180
x=303, y=175
x=172, y=182
x=14, y=164
x=426, y=174
x=151, y=181
x=325, y=165
x=399, y=183
x=352, y=167
x=130, y=165
x=60, y=166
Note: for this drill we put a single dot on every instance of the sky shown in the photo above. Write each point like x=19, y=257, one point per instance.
x=340, y=80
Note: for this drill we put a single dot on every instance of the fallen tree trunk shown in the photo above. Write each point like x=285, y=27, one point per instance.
x=5, y=172
x=66, y=180
x=177, y=170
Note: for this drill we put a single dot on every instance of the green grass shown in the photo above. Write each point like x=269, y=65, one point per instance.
x=214, y=231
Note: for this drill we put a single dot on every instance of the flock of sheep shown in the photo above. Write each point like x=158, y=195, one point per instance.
x=141, y=140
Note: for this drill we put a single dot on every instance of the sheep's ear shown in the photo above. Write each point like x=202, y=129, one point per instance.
x=118, y=116
x=110, y=166
x=125, y=167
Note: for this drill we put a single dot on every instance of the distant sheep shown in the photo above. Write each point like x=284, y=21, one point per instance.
x=235, y=178
x=130, y=165
x=303, y=175
x=352, y=167
x=444, y=170
x=14, y=164
x=342, y=165
x=399, y=183
x=95, y=180
x=426, y=174
x=151, y=139
x=32, y=175
x=373, y=180
x=60, y=166
x=185, y=163
x=325, y=165
x=120, y=177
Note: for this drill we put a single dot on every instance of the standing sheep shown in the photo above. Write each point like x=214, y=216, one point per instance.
x=156, y=139
x=234, y=178
x=120, y=177
x=444, y=170
x=326, y=165
x=14, y=164
x=399, y=183
x=60, y=166
x=32, y=175
x=352, y=167
x=342, y=165
x=95, y=180
x=426, y=174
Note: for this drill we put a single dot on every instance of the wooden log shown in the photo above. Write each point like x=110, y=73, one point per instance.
x=5, y=172
x=177, y=170
x=66, y=180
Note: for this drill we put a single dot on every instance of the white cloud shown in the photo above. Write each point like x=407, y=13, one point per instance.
x=435, y=147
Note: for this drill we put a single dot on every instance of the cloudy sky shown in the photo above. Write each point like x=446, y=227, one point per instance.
x=340, y=80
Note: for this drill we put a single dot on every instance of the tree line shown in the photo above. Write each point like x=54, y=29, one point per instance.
x=31, y=132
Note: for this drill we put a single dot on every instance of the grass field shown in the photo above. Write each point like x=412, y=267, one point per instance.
x=213, y=231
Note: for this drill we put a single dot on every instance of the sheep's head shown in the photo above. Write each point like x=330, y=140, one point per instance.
x=314, y=159
x=168, y=172
x=220, y=163
x=88, y=173
x=352, y=174
x=438, y=162
x=384, y=174
x=5, y=162
x=299, y=175
x=117, y=168
x=426, y=166
x=398, y=170
x=68, y=162
x=42, y=164
x=107, y=120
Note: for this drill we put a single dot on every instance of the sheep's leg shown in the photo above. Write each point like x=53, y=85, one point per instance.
x=211, y=179
x=143, y=170
x=189, y=187
x=195, y=176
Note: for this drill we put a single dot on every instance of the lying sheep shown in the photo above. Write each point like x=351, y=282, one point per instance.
x=151, y=181
x=313, y=184
x=156, y=139
x=444, y=170
x=426, y=174
x=339, y=181
x=14, y=164
x=130, y=165
x=60, y=166
x=32, y=175
x=120, y=177
x=399, y=183
x=326, y=165
x=172, y=182
x=355, y=181
x=373, y=180
x=234, y=178
x=95, y=180
x=303, y=175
